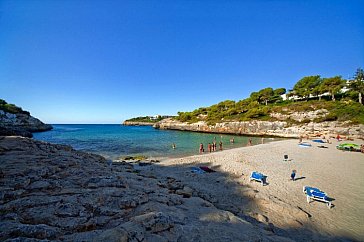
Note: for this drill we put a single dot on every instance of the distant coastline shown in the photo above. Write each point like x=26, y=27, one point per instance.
x=131, y=123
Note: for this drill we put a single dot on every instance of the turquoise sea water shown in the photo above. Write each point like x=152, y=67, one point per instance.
x=113, y=140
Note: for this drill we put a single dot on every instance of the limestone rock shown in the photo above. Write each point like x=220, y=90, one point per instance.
x=185, y=192
x=21, y=124
x=270, y=128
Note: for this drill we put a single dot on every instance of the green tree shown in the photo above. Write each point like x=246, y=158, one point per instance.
x=332, y=85
x=254, y=96
x=280, y=91
x=357, y=84
x=266, y=94
x=306, y=86
x=263, y=96
x=318, y=90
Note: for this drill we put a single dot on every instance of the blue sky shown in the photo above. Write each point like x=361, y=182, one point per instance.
x=106, y=61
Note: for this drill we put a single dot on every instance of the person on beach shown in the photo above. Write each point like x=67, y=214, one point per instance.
x=250, y=142
x=214, y=146
x=201, y=148
x=220, y=144
x=262, y=140
x=232, y=140
x=300, y=140
x=209, y=147
x=338, y=137
x=293, y=175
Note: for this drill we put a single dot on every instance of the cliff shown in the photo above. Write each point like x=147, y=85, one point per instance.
x=267, y=128
x=21, y=123
x=53, y=192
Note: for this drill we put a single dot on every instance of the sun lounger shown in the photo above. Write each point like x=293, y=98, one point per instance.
x=256, y=176
x=316, y=194
x=305, y=145
x=197, y=170
x=318, y=141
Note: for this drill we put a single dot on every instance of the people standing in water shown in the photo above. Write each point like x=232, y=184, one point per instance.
x=173, y=146
x=232, y=140
x=250, y=142
x=201, y=148
x=214, y=145
x=220, y=144
x=209, y=147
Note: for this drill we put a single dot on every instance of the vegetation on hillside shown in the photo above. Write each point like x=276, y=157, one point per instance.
x=11, y=108
x=342, y=99
x=146, y=119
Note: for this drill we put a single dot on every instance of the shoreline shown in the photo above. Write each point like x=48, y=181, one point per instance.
x=196, y=153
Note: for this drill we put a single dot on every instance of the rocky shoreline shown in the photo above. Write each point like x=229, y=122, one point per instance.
x=53, y=192
x=267, y=128
x=21, y=124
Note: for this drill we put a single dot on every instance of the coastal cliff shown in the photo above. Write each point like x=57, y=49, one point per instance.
x=15, y=121
x=267, y=128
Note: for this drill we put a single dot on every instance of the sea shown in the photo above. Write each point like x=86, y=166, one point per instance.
x=115, y=141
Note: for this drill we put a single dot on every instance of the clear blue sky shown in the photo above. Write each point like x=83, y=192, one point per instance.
x=105, y=61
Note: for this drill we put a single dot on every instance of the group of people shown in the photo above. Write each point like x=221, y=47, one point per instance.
x=211, y=147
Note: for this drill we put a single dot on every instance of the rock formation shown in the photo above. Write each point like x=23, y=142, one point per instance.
x=21, y=124
x=267, y=128
x=52, y=192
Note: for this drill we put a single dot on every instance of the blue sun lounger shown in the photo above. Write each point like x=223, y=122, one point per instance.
x=313, y=193
x=197, y=170
x=258, y=177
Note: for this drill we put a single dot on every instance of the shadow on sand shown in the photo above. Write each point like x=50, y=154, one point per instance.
x=299, y=178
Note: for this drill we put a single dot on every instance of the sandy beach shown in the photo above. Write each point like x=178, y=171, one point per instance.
x=281, y=204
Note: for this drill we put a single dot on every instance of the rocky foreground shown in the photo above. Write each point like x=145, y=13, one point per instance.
x=52, y=192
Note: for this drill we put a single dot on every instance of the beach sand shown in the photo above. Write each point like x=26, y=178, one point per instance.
x=281, y=205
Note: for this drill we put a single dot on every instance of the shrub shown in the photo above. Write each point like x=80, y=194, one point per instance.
x=11, y=108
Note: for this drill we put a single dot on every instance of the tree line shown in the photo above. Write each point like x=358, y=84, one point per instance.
x=315, y=86
x=259, y=104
